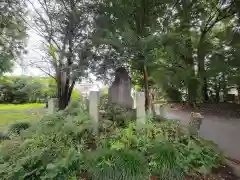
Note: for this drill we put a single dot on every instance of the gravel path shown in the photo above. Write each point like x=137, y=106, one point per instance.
x=225, y=132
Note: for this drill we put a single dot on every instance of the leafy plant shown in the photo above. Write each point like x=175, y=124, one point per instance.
x=117, y=165
x=17, y=127
x=169, y=149
x=49, y=149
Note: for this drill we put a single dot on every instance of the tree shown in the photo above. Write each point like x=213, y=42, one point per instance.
x=12, y=32
x=188, y=41
x=66, y=28
x=130, y=28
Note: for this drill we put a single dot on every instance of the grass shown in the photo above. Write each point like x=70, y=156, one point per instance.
x=11, y=113
x=20, y=106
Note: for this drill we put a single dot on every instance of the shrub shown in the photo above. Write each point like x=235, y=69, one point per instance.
x=167, y=148
x=50, y=149
x=17, y=127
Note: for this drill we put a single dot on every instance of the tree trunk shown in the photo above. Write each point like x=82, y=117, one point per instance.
x=238, y=89
x=205, y=89
x=192, y=92
x=224, y=87
x=63, y=89
x=147, y=99
x=201, y=69
x=217, y=90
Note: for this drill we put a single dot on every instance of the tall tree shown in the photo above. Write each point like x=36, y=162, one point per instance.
x=130, y=27
x=65, y=27
x=188, y=41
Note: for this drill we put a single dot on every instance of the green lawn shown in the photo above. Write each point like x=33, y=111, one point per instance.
x=11, y=113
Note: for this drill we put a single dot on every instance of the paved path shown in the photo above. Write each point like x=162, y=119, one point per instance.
x=222, y=131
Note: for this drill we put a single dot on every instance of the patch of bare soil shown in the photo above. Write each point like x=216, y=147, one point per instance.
x=220, y=109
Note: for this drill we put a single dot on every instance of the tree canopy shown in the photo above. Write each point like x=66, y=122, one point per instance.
x=188, y=49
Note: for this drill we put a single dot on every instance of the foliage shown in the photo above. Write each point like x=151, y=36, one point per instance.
x=172, y=38
x=17, y=127
x=75, y=96
x=19, y=90
x=63, y=146
x=49, y=149
x=65, y=27
x=12, y=32
x=117, y=165
x=167, y=148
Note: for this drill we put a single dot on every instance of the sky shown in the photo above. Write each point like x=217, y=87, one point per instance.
x=33, y=54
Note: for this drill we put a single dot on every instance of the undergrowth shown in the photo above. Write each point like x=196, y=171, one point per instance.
x=63, y=146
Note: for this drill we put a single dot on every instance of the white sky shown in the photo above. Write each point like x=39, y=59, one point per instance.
x=33, y=54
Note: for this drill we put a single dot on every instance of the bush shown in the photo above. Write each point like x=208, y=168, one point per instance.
x=50, y=149
x=17, y=127
x=167, y=148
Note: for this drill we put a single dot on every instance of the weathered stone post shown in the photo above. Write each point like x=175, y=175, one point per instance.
x=93, y=108
x=140, y=108
x=195, y=123
x=52, y=105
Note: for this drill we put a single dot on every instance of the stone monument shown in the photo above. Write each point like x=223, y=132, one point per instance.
x=119, y=92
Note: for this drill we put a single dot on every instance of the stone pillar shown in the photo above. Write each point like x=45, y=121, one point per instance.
x=52, y=105
x=93, y=108
x=140, y=108
x=195, y=123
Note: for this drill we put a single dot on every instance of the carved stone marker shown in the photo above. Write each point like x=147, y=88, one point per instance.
x=140, y=108
x=195, y=123
x=93, y=108
x=120, y=91
x=52, y=105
